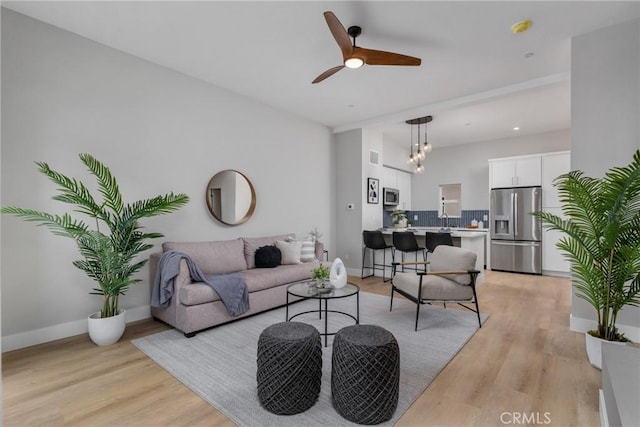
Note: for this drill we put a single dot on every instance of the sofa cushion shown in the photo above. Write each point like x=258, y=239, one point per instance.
x=253, y=243
x=290, y=251
x=259, y=279
x=268, y=257
x=197, y=293
x=220, y=257
x=308, y=252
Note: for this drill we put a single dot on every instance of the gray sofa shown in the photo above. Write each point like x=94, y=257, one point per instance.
x=196, y=306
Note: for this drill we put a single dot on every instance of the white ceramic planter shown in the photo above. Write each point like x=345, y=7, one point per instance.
x=594, y=349
x=106, y=331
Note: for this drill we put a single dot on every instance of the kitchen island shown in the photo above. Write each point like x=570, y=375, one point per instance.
x=473, y=239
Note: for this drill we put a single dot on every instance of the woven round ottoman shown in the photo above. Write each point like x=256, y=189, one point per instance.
x=365, y=374
x=289, y=367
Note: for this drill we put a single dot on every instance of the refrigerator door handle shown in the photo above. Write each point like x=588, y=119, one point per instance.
x=512, y=243
x=514, y=196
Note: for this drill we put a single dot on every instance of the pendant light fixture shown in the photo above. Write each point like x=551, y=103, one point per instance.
x=421, y=149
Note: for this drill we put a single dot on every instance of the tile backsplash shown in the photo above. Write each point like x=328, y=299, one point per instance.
x=430, y=218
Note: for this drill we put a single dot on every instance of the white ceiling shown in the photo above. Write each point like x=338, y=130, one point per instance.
x=473, y=68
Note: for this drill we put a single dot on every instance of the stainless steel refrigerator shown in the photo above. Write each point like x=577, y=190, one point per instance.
x=516, y=236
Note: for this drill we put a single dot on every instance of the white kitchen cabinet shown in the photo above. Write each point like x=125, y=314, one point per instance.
x=401, y=181
x=553, y=259
x=553, y=165
x=515, y=172
x=404, y=185
x=389, y=178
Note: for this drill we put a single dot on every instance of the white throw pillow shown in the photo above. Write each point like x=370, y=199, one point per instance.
x=308, y=251
x=290, y=251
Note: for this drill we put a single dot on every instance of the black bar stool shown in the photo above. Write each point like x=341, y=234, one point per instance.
x=405, y=242
x=374, y=240
x=434, y=240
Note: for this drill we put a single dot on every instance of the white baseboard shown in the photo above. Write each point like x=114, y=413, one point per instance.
x=604, y=419
x=556, y=273
x=579, y=324
x=62, y=330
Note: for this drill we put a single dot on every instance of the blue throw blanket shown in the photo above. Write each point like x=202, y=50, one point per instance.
x=231, y=288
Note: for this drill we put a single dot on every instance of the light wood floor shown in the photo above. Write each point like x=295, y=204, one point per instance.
x=523, y=365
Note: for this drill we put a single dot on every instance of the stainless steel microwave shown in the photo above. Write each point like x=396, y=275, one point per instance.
x=390, y=196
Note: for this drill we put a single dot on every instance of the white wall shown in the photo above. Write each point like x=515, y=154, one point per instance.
x=468, y=165
x=371, y=212
x=352, y=172
x=349, y=174
x=605, y=117
x=396, y=156
x=159, y=131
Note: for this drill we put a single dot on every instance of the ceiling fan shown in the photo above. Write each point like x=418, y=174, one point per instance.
x=354, y=56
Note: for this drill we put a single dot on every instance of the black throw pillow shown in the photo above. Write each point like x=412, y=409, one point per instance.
x=268, y=257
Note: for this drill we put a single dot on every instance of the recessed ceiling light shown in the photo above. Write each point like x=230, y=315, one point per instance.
x=520, y=27
x=516, y=128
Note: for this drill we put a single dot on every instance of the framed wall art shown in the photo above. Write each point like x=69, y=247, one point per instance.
x=373, y=190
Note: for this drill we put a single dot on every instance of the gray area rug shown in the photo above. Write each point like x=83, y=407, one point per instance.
x=220, y=364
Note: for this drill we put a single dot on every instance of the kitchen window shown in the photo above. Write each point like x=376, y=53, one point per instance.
x=450, y=202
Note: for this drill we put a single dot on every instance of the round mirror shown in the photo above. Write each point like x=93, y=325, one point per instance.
x=231, y=198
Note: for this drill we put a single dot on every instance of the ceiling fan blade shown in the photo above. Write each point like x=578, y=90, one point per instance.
x=380, y=57
x=330, y=72
x=339, y=33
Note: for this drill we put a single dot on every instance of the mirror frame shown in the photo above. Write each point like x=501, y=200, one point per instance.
x=252, y=207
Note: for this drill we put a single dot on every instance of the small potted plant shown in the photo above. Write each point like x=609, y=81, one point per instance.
x=399, y=218
x=320, y=276
x=315, y=234
x=602, y=241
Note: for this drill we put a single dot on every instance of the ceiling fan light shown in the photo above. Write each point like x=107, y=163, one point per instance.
x=354, y=62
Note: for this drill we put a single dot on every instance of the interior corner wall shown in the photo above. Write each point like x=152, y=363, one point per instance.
x=371, y=212
x=349, y=174
x=605, y=124
x=159, y=131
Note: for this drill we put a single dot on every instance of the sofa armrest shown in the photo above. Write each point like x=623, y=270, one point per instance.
x=182, y=279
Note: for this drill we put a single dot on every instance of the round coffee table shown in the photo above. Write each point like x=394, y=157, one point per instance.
x=307, y=291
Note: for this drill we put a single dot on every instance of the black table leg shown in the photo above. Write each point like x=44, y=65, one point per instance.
x=326, y=317
x=286, y=312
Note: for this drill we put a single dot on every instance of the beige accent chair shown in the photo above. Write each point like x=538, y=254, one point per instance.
x=451, y=277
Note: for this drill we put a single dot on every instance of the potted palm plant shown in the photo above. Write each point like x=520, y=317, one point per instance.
x=602, y=241
x=109, y=251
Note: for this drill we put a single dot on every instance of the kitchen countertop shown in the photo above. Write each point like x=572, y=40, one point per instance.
x=455, y=231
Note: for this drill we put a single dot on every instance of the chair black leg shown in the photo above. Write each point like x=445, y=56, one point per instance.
x=391, y=303
x=417, y=315
x=384, y=264
x=364, y=252
x=475, y=299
